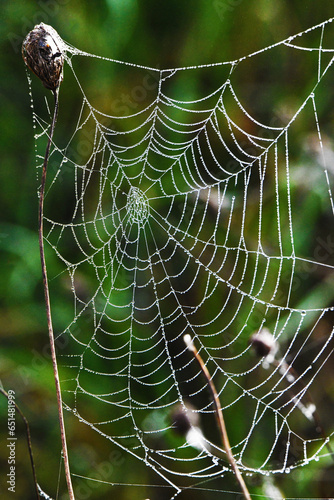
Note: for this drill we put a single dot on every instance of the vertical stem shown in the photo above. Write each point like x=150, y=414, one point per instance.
x=47, y=302
x=219, y=415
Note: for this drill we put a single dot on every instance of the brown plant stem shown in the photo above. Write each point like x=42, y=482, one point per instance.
x=47, y=301
x=219, y=415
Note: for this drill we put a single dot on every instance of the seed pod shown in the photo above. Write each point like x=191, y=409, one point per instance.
x=183, y=418
x=264, y=344
x=42, y=51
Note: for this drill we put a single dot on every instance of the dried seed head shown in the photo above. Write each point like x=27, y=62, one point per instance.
x=264, y=344
x=43, y=53
x=183, y=418
x=185, y=421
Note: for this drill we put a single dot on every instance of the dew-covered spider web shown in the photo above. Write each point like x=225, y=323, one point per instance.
x=190, y=202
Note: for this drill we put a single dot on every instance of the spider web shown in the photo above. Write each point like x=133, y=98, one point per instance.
x=178, y=211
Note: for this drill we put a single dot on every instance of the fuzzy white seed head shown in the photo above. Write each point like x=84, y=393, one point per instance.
x=189, y=342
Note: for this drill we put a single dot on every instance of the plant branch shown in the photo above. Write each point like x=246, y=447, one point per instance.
x=219, y=415
x=47, y=301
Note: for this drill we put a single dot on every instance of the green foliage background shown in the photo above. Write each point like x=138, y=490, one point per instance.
x=157, y=34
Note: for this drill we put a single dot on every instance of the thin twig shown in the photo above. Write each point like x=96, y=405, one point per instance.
x=219, y=415
x=26, y=423
x=47, y=301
